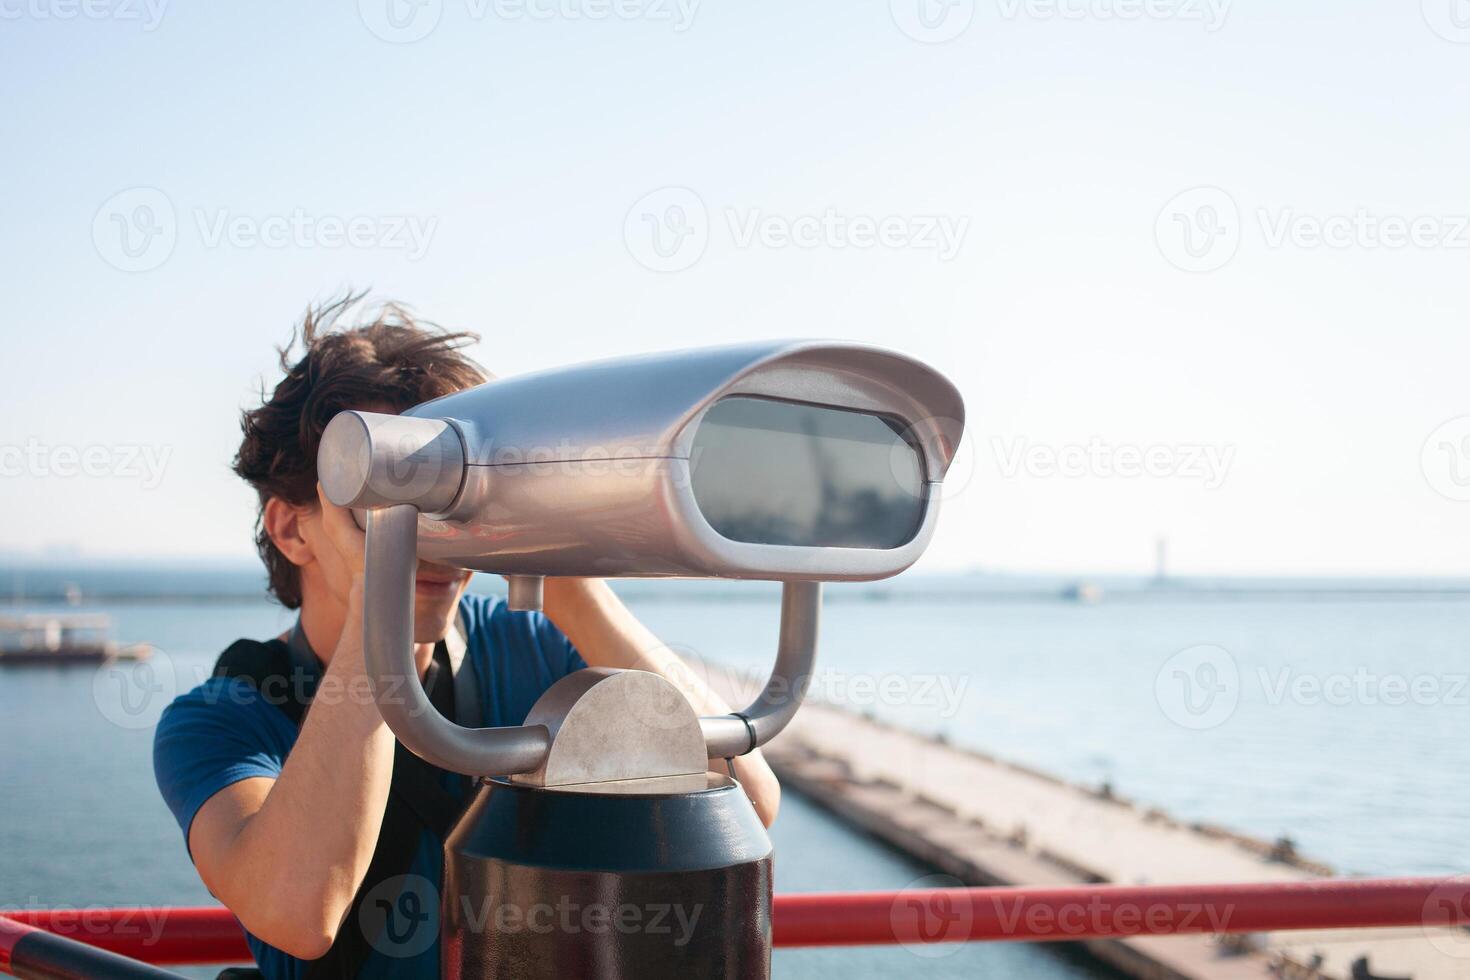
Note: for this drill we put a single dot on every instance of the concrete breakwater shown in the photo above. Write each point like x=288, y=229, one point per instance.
x=983, y=821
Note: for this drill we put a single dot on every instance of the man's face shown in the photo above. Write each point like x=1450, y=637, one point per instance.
x=436, y=592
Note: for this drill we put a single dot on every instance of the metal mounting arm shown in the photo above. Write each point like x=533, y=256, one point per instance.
x=387, y=643
x=727, y=736
x=388, y=651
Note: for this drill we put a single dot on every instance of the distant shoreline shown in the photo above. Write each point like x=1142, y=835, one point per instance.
x=859, y=592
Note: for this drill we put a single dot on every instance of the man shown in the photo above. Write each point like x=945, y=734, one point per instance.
x=281, y=792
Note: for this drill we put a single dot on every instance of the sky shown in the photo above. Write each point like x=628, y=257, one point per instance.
x=1199, y=267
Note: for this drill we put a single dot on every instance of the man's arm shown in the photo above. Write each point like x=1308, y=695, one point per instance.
x=606, y=634
x=287, y=855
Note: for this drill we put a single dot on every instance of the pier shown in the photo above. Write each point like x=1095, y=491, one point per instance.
x=984, y=821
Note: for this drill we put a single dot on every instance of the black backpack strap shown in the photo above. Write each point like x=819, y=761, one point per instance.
x=270, y=667
x=417, y=798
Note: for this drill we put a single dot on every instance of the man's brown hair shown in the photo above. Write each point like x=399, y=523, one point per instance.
x=392, y=360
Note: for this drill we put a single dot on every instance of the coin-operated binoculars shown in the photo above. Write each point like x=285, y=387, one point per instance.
x=797, y=462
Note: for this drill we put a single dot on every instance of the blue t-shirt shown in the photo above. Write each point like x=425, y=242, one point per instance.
x=223, y=731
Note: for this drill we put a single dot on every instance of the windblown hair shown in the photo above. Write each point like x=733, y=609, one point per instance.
x=392, y=360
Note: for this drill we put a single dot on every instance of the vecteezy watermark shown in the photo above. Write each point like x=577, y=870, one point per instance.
x=942, y=694
x=1362, y=686
x=1201, y=230
x=1097, y=914
x=932, y=916
x=407, y=233
x=1211, y=14
x=939, y=694
x=1445, y=459
x=400, y=21
x=937, y=21
x=943, y=234
x=1209, y=464
x=400, y=917
x=1450, y=19
x=92, y=922
x=1198, y=687
x=407, y=21
x=936, y=437
x=1363, y=229
x=131, y=693
x=1201, y=687
x=565, y=916
x=1447, y=917
x=137, y=229
x=932, y=21
x=143, y=463
x=668, y=230
x=146, y=13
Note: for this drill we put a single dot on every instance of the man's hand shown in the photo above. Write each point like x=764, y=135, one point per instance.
x=346, y=554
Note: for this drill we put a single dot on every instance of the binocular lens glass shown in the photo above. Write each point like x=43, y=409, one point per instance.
x=766, y=471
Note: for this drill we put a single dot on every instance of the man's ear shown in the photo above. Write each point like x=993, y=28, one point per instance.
x=282, y=521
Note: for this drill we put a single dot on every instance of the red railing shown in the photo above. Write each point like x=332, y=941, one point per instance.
x=211, y=935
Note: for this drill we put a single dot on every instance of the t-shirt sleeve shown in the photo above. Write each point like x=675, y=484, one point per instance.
x=212, y=737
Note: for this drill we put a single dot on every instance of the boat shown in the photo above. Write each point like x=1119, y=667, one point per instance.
x=55, y=638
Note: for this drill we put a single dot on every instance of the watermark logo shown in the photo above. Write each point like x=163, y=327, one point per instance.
x=148, y=13
x=1363, y=229
x=1362, y=686
x=1097, y=914
x=1445, y=459
x=135, y=230
x=939, y=695
x=145, y=464
x=1199, y=687
x=1447, y=917
x=678, y=13
x=95, y=924
x=407, y=233
x=936, y=438
x=932, y=21
x=132, y=693
x=932, y=915
x=569, y=917
x=942, y=234
x=401, y=21
x=1199, y=229
x=400, y=917
x=668, y=709
x=1202, y=229
x=407, y=21
x=667, y=230
x=1450, y=19
x=1210, y=13
x=397, y=465
x=1207, y=464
